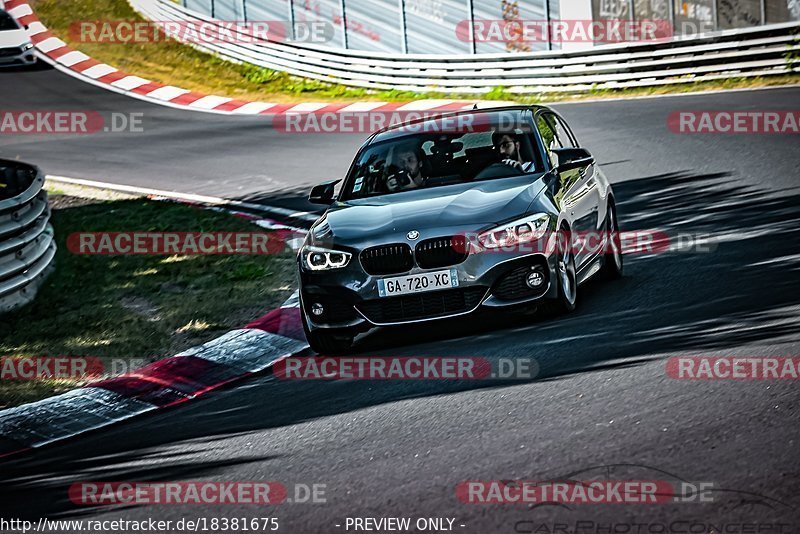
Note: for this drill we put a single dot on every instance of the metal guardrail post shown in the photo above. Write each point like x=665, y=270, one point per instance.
x=291, y=19
x=671, y=15
x=763, y=12
x=213, y=15
x=244, y=10
x=715, y=14
x=547, y=21
x=403, y=28
x=344, y=22
x=472, y=40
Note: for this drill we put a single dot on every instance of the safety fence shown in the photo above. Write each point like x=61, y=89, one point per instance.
x=758, y=51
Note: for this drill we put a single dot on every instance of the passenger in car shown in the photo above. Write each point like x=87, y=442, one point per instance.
x=411, y=175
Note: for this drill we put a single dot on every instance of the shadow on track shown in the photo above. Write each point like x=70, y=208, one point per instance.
x=38, y=66
x=740, y=293
x=295, y=199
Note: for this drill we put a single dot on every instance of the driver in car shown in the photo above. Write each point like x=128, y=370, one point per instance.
x=507, y=145
x=411, y=175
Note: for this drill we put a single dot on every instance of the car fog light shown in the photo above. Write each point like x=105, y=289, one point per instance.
x=535, y=278
x=317, y=309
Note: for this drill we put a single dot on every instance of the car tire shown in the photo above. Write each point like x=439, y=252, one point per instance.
x=612, y=262
x=327, y=342
x=566, y=279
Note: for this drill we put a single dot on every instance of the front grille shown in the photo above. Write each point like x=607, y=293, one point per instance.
x=442, y=252
x=387, y=259
x=512, y=286
x=422, y=306
x=7, y=52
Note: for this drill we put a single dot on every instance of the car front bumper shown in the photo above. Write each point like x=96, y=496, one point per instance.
x=349, y=296
x=26, y=58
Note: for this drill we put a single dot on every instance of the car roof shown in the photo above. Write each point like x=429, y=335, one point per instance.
x=390, y=131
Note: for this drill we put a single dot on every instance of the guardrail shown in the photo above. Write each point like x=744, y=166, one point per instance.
x=27, y=247
x=759, y=51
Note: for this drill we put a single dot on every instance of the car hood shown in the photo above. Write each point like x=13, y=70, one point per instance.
x=10, y=38
x=460, y=207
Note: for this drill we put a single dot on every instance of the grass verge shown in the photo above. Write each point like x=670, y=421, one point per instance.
x=137, y=307
x=175, y=64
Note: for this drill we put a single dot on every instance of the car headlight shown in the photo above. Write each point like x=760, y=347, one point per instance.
x=510, y=234
x=27, y=46
x=323, y=259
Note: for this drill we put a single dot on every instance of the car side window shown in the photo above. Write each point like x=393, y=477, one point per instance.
x=562, y=132
x=548, y=138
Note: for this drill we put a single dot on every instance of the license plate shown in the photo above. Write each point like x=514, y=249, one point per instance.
x=417, y=283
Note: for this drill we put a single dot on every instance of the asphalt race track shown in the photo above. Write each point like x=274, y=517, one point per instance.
x=602, y=400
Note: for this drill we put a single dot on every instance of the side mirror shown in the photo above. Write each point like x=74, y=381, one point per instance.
x=26, y=27
x=572, y=158
x=323, y=193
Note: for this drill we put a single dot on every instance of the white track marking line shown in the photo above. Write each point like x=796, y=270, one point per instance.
x=71, y=58
x=307, y=107
x=98, y=71
x=20, y=11
x=50, y=44
x=210, y=102
x=361, y=106
x=203, y=199
x=167, y=92
x=253, y=108
x=130, y=82
x=35, y=28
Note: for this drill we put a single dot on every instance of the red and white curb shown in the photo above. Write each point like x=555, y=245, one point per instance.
x=236, y=355
x=75, y=63
x=185, y=376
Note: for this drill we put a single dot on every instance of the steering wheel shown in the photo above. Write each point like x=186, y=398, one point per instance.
x=498, y=170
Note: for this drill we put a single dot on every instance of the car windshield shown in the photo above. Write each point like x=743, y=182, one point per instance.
x=7, y=22
x=434, y=160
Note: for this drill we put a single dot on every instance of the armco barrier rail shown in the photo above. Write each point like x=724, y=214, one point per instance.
x=759, y=51
x=27, y=247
